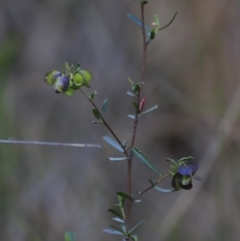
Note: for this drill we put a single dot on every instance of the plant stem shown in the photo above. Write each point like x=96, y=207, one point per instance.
x=129, y=170
x=106, y=124
x=152, y=186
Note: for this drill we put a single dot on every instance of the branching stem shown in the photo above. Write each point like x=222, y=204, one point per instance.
x=105, y=123
x=135, y=125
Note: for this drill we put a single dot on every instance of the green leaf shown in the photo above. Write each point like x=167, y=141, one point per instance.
x=96, y=114
x=143, y=159
x=156, y=20
x=131, y=94
x=113, y=143
x=169, y=22
x=118, y=220
x=134, y=237
x=135, y=104
x=92, y=96
x=131, y=82
x=151, y=182
x=171, y=160
x=69, y=236
x=124, y=143
x=131, y=117
x=151, y=109
x=165, y=190
x=137, y=225
x=185, y=159
x=117, y=158
x=112, y=231
x=114, y=212
x=124, y=195
x=104, y=105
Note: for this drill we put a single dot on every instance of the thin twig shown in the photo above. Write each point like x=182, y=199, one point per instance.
x=152, y=186
x=105, y=123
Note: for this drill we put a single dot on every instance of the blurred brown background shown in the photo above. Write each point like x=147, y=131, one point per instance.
x=192, y=74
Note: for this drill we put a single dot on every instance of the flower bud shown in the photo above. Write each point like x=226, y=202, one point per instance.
x=51, y=76
x=141, y=104
x=61, y=84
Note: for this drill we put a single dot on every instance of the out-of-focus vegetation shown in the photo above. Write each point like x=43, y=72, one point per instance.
x=193, y=74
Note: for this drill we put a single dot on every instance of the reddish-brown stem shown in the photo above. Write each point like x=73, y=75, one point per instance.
x=129, y=170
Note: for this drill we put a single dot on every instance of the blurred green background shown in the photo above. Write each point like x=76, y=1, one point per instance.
x=192, y=74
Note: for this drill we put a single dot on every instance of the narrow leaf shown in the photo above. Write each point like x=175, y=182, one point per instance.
x=151, y=182
x=137, y=201
x=156, y=19
x=118, y=220
x=151, y=109
x=131, y=94
x=118, y=229
x=134, y=237
x=138, y=22
x=92, y=96
x=104, y=105
x=143, y=159
x=169, y=22
x=97, y=122
x=117, y=158
x=113, y=143
x=185, y=159
x=165, y=190
x=114, y=212
x=112, y=231
x=69, y=236
x=96, y=114
x=131, y=82
x=137, y=225
x=124, y=143
x=124, y=195
x=171, y=160
x=131, y=117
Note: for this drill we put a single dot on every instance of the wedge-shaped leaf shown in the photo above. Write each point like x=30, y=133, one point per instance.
x=138, y=22
x=151, y=109
x=96, y=114
x=104, y=105
x=118, y=220
x=165, y=190
x=174, y=16
x=112, y=231
x=113, y=143
x=137, y=225
x=114, y=212
x=131, y=94
x=131, y=117
x=113, y=159
x=143, y=159
x=69, y=236
x=124, y=195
